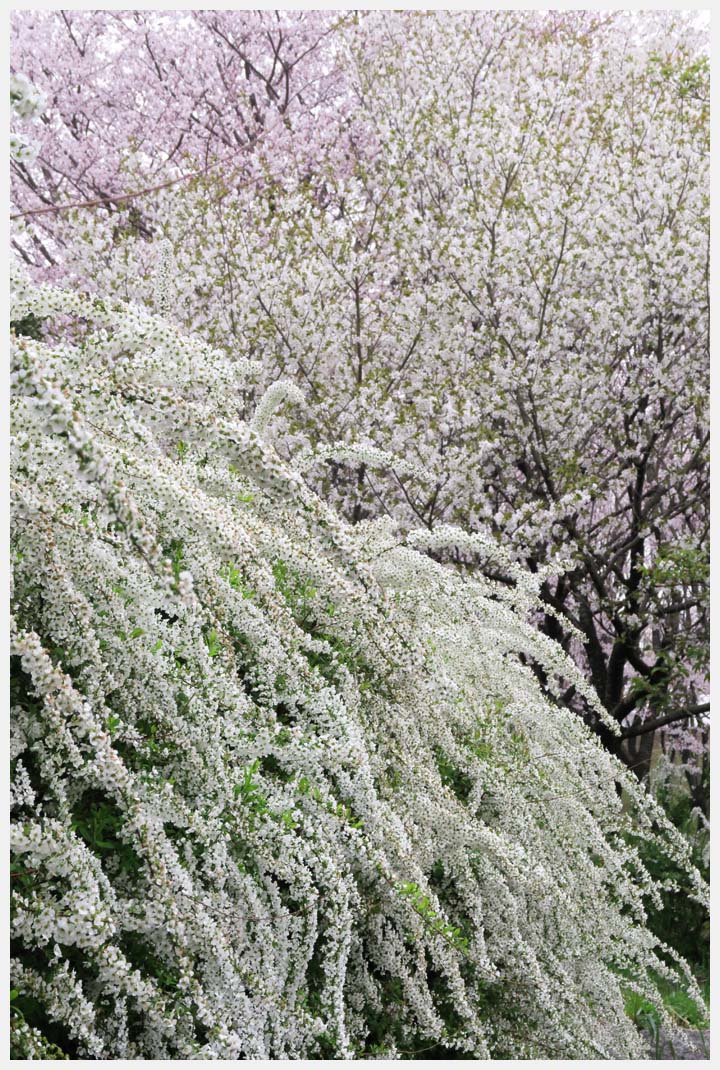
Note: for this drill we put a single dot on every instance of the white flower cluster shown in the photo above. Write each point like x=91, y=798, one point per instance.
x=163, y=272
x=21, y=149
x=25, y=99
x=284, y=787
x=27, y=103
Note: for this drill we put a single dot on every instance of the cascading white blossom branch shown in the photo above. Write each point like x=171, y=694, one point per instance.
x=284, y=787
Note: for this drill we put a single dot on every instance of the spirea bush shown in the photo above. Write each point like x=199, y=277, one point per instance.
x=282, y=786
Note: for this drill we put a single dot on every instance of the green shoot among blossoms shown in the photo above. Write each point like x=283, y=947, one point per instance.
x=282, y=786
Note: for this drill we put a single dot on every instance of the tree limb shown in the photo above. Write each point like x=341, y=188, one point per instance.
x=677, y=715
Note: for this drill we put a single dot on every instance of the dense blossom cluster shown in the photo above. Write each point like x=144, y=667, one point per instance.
x=284, y=786
x=26, y=103
x=479, y=243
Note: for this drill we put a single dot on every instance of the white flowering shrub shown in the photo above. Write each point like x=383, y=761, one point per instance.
x=283, y=787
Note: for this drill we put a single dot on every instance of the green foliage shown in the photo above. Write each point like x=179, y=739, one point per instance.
x=99, y=822
x=234, y=577
x=682, y=1009
x=27, y=1040
x=249, y=791
x=145, y=958
x=212, y=641
x=176, y=551
x=691, y=80
x=295, y=589
x=29, y=326
x=681, y=923
x=434, y=923
x=678, y=565
x=453, y=777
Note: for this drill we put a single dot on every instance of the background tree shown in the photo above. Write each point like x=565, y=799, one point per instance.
x=480, y=242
